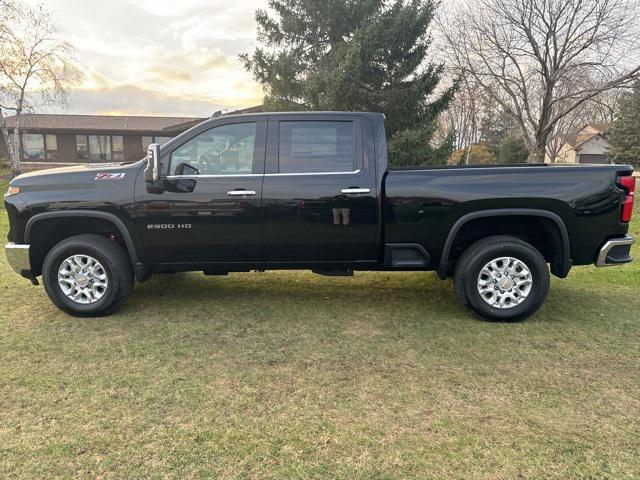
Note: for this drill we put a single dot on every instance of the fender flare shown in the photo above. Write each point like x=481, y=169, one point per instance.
x=502, y=212
x=120, y=225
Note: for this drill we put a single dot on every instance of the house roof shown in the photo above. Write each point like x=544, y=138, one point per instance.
x=581, y=137
x=600, y=127
x=101, y=122
x=115, y=123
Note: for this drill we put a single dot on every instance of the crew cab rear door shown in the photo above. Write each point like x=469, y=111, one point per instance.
x=319, y=193
x=210, y=209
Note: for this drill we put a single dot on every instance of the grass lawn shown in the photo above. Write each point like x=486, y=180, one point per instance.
x=291, y=375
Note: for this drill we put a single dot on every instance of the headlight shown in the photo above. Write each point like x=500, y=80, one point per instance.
x=12, y=191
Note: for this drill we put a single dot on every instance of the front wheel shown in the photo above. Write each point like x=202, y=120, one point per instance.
x=87, y=275
x=502, y=278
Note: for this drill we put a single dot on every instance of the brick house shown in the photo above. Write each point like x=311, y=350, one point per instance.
x=47, y=138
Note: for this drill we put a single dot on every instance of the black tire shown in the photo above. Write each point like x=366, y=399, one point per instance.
x=112, y=257
x=476, y=256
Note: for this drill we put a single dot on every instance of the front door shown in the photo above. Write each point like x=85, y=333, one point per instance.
x=319, y=193
x=210, y=209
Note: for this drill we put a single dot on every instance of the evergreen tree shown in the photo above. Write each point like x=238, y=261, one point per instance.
x=625, y=134
x=356, y=55
x=496, y=125
x=513, y=150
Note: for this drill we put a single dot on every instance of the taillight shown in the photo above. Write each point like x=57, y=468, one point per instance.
x=629, y=184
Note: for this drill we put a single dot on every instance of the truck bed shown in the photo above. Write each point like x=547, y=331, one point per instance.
x=426, y=202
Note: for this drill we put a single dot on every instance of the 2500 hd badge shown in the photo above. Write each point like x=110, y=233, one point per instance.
x=168, y=226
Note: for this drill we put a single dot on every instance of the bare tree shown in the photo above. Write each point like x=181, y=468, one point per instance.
x=462, y=118
x=599, y=110
x=35, y=68
x=528, y=56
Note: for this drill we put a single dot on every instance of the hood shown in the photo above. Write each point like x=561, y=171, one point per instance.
x=89, y=171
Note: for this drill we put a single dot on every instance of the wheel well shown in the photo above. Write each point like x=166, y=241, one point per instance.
x=48, y=232
x=542, y=233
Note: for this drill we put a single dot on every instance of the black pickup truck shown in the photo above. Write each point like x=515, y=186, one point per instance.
x=312, y=191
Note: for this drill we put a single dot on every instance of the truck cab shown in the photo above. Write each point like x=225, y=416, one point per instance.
x=277, y=190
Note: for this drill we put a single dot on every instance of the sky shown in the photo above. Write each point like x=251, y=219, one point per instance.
x=159, y=57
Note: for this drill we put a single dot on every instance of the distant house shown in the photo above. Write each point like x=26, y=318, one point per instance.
x=588, y=145
x=47, y=138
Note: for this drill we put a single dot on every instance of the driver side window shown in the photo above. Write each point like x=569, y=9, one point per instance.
x=224, y=150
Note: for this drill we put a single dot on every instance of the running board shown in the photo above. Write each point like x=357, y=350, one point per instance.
x=406, y=256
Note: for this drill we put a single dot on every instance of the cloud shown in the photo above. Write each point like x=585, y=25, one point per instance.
x=216, y=61
x=135, y=100
x=166, y=74
x=170, y=8
x=179, y=57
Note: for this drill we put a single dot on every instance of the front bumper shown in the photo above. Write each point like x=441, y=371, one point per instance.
x=616, y=251
x=18, y=258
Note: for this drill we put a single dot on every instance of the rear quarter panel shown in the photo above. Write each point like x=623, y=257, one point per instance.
x=422, y=205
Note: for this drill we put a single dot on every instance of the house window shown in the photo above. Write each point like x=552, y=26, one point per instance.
x=117, y=146
x=99, y=148
x=148, y=140
x=33, y=146
x=36, y=146
x=51, y=142
x=82, y=147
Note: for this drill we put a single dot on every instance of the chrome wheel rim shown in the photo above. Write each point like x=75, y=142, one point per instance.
x=83, y=279
x=504, y=282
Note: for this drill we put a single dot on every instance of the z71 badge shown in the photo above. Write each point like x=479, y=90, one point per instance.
x=110, y=176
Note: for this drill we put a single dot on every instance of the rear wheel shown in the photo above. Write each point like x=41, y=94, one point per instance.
x=87, y=275
x=502, y=278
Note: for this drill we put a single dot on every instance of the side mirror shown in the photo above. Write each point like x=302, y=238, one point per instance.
x=153, y=171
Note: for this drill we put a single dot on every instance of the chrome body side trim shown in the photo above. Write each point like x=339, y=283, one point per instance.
x=354, y=172
x=196, y=177
x=611, y=244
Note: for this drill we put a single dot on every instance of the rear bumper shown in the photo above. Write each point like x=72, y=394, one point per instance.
x=18, y=258
x=615, y=251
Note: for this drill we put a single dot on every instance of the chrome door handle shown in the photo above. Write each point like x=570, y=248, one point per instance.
x=355, y=190
x=241, y=193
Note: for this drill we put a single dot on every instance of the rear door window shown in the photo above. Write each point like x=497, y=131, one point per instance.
x=316, y=147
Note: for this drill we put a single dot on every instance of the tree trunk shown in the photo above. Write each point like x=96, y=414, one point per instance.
x=15, y=152
x=5, y=134
x=538, y=152
x=13, y=144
